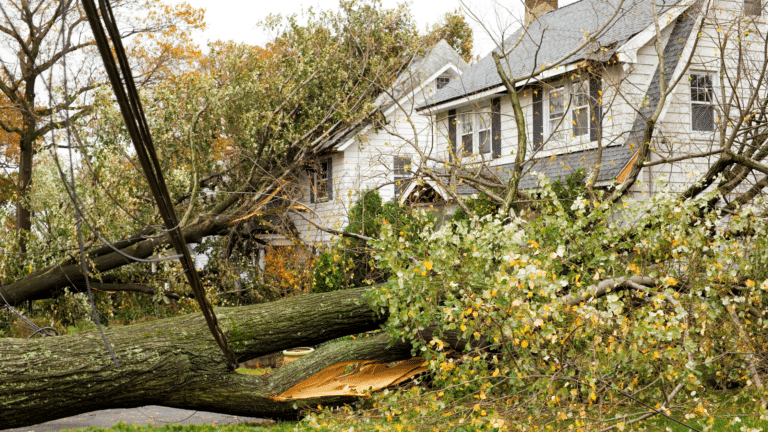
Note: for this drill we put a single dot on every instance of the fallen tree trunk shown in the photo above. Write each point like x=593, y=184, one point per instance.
x=175, y=362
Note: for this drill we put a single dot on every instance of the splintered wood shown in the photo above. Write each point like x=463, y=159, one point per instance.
x=354, y=378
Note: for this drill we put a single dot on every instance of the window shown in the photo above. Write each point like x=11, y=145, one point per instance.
x=466, y=133
x=556, y=108
x=484, y=131
x=442, y=82
x=320, y=182
x=580, y=108
x=753, y=7
x=569, y=102
x=475, y=127
x=402, y=173
x=702, y=110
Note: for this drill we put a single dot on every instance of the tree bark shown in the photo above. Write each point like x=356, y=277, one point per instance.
x=175, y=362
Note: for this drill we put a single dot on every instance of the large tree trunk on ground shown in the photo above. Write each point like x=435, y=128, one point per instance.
x=175, y=362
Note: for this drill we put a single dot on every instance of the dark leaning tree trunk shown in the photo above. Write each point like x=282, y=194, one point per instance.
x=174, y=362
x=43, y=283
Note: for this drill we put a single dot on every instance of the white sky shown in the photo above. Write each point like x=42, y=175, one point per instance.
x=236, y=19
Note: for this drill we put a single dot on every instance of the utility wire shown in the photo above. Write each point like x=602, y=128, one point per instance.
x=133, y=114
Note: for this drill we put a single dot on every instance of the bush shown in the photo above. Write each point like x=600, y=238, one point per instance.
x=349, y=262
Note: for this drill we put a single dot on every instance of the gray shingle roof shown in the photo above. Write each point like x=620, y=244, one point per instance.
x=555, y=35
x=558, y=168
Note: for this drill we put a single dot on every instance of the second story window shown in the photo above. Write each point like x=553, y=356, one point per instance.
x=484, y=131
x=466, y=133
x=442, y=82
x=475, y=131
x=556, y=108
x=580, y=108
x=402, y=174
x=753, y=7
x=702, y=109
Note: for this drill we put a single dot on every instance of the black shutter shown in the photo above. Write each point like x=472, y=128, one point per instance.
x=329, y=171
x=452, y=133
x=595, y=108
x=311, y=186
x=496, y=127
x=538, y=117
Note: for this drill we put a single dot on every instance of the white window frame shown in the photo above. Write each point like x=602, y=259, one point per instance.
x=579, y=102
x=556, y=115
x=475, y=125
x=696, y=95
x=575, y=97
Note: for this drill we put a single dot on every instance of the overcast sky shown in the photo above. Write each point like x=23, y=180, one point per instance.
x=236, y=19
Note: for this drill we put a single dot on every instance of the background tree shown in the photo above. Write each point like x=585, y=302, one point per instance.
x=257, y=110
x=37, y=35
x=454, y=28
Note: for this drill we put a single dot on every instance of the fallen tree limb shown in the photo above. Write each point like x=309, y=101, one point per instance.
x=608, y=285
x=174, y=362
x=41, y=283
x=128, y=287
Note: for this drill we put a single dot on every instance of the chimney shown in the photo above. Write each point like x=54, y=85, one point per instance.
x=537, y=8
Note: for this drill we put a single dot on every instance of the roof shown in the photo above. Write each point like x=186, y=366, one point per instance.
x=557, y=168
x=420, y=69
x=553, y=36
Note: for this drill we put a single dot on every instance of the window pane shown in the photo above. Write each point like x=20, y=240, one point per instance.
x=580, y=121
x=466, y=124
x=402, y=166
x=442, y=82
x=321, y=181
x=556, y=103
x=466, y=144
x=752, y=7
x=702, y=117
x=701, y=88
x=485, y=141
x=580, y=95
x=402, y=174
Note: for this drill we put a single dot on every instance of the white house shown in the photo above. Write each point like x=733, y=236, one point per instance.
x=378, y=154
x=596, y=72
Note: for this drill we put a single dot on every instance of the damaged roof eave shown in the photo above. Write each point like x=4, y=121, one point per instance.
x=627, y=52
x=403, y=100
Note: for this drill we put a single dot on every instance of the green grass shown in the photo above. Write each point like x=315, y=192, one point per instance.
x=721, y=424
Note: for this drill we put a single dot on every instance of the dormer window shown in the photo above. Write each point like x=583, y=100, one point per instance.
x=753, y=7
x=442, y=82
